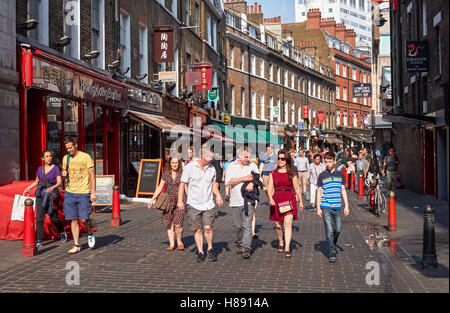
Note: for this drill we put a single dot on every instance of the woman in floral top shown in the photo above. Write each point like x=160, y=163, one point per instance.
x=174, y=217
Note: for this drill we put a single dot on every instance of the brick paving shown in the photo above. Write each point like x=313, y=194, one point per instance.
x=132, y=258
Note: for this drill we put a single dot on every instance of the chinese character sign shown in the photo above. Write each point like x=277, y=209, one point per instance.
x=163, y=43
x=205, y=70
x=306, y=111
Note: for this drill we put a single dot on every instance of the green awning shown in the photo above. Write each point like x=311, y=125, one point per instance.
x=248, y=135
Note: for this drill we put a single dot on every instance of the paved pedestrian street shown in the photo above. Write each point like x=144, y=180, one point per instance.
x=133, y=258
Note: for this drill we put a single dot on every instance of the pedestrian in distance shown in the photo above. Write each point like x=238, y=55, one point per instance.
x=330, y=189
x=200, y=178
x=238, y=173
x=314, y=170
x=78, y=167
x=268, y=164
x=390, y=165
x=361, y=166
x=282, y=191
x=174, y=217
x=302, y=164
x=48, y=179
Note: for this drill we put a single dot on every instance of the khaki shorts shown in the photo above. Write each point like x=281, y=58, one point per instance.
x=197, y=219
x=266, y=180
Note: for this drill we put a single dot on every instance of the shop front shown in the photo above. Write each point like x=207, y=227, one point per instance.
x=60, y=98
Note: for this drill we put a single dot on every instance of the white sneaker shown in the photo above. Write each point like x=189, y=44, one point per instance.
x=74, y=250
x=91, y=241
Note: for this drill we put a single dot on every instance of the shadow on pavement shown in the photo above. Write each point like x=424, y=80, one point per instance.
x=220, y=247
x=104, y=241
x=44, y=250
x=294, y=244
x=322, y=246
x=257, y=243
x=440, y=272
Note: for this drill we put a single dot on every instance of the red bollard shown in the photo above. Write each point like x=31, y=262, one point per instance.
x=344, y=171
x=349, y=180
x=115, y=221
x=29, y=245
x=361, y=187
x=352, y=181
x=391, y=218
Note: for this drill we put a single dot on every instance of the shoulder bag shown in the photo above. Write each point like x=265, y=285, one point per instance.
x=162, y=202
x=286, y=206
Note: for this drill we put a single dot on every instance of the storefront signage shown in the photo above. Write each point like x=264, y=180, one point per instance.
x=193, y=78
x=363, y=90
x=417, y=56
x=276, y=111
x=163, y=43
x=321, y=116
x=167, y=77
x=205, y=70
x=213, y=95
x=386, y=83
x=54, y=78
x=139, y=97
x=103, y=189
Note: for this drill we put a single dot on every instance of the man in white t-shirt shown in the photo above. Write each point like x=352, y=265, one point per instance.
x=200, y=178
x=237, y=174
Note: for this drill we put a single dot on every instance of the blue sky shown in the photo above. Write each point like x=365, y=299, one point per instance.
x=272, y=8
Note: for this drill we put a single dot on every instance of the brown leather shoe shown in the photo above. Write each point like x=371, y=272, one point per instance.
x=181, y=247
x=171, y=248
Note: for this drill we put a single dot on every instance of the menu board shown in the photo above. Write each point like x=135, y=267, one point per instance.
x=104, y=190
x=149, y=173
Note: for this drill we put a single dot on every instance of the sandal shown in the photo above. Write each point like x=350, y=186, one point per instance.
x=280, y=248
x=287, y=254
x=181, y=247
x=171, y=248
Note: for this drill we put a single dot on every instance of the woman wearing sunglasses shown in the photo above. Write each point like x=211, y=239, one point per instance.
x=284, y=191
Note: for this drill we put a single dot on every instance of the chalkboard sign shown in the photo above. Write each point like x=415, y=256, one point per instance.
x=148, y=180
x=104, y=190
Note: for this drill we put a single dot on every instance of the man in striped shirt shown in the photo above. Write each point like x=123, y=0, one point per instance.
x=331, y=185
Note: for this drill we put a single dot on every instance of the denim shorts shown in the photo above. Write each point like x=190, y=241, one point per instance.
x=77, y=206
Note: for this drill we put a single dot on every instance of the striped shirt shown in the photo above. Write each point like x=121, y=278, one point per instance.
x=331, y=184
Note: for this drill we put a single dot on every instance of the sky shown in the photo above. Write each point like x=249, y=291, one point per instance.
x=273, y=8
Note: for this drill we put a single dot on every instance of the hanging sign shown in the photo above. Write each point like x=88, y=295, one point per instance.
x=163, y=43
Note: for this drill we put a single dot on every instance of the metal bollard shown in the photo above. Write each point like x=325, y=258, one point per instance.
x=429, y=258
x=391, y=215
x=115, y=220
x=361, y=187
x=29, y=245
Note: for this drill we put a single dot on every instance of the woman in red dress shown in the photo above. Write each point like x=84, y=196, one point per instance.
x=282, y=183
x=174, y=217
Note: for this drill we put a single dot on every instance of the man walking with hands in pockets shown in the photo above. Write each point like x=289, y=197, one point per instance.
x=331, y=185
x=200, y=178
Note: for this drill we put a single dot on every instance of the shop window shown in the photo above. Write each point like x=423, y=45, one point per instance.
x=70, y=118
x=89, y=130
x=98, y=140
x=136, y=141
x=54, y=128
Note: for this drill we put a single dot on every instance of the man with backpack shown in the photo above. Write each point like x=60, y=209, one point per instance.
x=390, y=165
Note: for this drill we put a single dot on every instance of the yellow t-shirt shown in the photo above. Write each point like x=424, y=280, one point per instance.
x=78, y=172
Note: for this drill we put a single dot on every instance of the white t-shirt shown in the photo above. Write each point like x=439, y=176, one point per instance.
x=235, y=170
x=199, y=185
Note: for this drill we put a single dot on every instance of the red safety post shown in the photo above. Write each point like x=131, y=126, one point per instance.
x=349, y=179
x=115, y=221
x=391, y=218
x=361, y=187
x=344, y=171
x=29, y=245
x=352, y=181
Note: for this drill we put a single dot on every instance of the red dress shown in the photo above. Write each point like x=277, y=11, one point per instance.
x=285, y=193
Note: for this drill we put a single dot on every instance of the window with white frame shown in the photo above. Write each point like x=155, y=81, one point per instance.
x=232, y=57
x=208, y=24
x=125, y=41
x=279, y=110
x=243, y=101
x=309, y=88
x=98, y=31
x=286, y=112
x=253, y=105
x=314, y=90
x=271, y=72
x=286, y=78
x=261, y=67
x=188, y=11
x=292, y=113
x=319, y=93
x=424, y=19
x=262, y=107
x=345, y=119
x=337, y=68
x=143, y=51
x=72, y=27
x=214, y=35
x=232, y=99
x=338, y=92
x=344, y=95
x=353, y=73
x=338, y=118
x=197, y=14
x=242, y=59
x=292, y=80
x=253, y=65
x=175, y=8
x=279, y=75
x=38, y=10
x=355, y=119
x=344, y=70
x=271, y=108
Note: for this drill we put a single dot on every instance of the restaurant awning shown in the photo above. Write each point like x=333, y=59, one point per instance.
x=161, y=122
x=248, y=135
x=211, y=135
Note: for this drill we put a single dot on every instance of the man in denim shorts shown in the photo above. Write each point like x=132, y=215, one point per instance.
x=200, y=178
x=80, y=191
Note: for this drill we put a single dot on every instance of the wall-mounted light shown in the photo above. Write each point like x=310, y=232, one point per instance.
x=29, y=24
x=63, y=41
x=124, y=71
x=92, y=55
x=114, y=64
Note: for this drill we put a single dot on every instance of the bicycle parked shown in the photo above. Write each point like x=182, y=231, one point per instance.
x=376, y=199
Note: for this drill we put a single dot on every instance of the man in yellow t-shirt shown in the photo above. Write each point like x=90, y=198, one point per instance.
x=80, y=191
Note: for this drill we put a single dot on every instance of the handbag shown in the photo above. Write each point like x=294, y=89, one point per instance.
x=285, y=206
x=162, y=203
x=18, y=209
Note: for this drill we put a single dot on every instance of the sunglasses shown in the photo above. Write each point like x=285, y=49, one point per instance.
x=281, y=159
